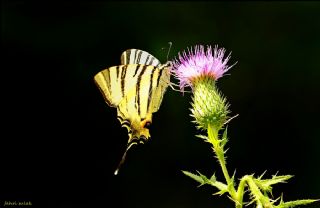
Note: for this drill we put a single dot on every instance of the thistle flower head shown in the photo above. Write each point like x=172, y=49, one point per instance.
x=200, y=69
x=199, y=63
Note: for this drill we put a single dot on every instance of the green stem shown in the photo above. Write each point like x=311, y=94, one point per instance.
x=261, y=200
x=240, y=191
x=218, y=149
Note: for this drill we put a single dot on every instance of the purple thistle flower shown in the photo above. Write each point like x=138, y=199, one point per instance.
x=200, y=63
x=199, y=69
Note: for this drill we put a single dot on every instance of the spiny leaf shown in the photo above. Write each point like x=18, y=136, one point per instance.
x=232, y=178
x=212, y=181
x=221, y=192
x=224, y=139
x=213, y=178
x=205, y=138
x=202, y=179
x=295, y=203
x=265, y=184
x=195, y=177
x=202, y=136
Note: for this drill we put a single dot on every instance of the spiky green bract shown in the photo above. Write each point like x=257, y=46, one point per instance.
x=209, y=107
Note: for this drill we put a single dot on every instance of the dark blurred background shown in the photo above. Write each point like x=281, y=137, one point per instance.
x=61, y=143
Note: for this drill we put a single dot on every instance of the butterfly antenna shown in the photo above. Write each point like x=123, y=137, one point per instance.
x=170, y=44
x=122, y=159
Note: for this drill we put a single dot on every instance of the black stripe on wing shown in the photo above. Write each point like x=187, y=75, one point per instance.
x=137, y=69
x=125, y=56
x=117, y=71
x=158, y=80
x=137, y=56
x=150, y=89
x=137, y=98
x=123, y=76
x=151, y=60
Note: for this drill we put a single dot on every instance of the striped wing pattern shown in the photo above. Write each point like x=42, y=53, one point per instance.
x=136, y=89
x=162, y=82
x=136, y=56
x=115, y=82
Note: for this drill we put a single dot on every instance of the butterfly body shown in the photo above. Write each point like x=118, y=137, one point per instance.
x=136, y=89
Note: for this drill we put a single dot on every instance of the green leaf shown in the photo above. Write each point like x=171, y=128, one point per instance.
x=206, y=180
x=224, y=139
x=194, y=177
x=202, y=179
x=295, y=203
x=221, y=192
x=205, y=138
x=213, y=178
x=265, y=184
x=233, y=182
x=202, y=136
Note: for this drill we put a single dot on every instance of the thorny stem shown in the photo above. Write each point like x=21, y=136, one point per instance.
x=237, y=196
x=218, y=149
x=240, y=191
x=261, y=200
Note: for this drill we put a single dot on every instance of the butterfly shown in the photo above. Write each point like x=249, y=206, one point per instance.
x=136, y=88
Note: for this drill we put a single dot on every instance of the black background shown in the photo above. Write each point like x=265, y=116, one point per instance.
x=61, y=143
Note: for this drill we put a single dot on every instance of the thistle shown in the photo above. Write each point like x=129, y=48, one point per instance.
x=200, y=69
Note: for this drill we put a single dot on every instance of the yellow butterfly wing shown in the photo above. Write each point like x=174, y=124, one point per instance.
x=115, y=82
x=161, y=83
x=136, y=88
x=136, y=56
x=161, y=77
